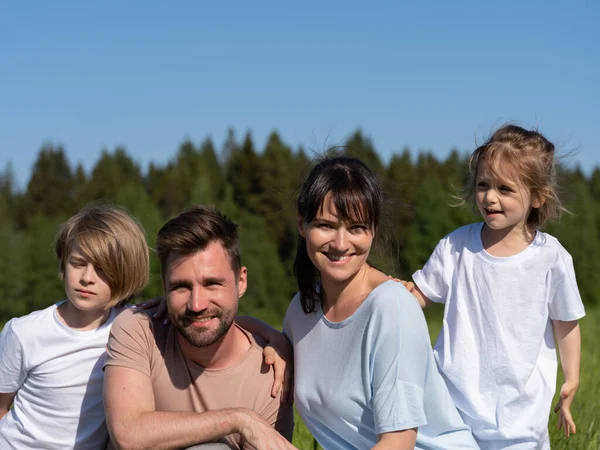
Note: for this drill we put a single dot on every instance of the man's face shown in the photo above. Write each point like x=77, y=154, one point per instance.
x=202, y=294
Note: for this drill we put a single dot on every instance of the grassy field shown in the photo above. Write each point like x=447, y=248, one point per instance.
x=586, y=409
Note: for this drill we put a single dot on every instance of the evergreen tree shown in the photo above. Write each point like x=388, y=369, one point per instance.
x=50, y=188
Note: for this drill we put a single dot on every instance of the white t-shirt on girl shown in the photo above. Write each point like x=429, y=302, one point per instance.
x=57, y=374
x=496, y=350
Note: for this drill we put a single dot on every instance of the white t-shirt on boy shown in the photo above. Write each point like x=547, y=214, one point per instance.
x=57, y=374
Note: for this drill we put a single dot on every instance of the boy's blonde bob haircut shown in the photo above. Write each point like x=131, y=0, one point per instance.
x=114, y=242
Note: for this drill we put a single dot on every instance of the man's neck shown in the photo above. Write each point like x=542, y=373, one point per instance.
x=223, y=353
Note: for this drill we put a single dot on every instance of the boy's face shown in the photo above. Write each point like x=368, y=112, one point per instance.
x=86, y=286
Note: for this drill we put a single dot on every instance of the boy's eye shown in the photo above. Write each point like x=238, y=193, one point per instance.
x=77, y=263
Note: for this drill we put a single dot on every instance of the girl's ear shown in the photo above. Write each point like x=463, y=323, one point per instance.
x=538, y=201
x=300, y=224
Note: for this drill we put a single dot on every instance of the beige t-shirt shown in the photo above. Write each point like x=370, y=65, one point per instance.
x=138, y=342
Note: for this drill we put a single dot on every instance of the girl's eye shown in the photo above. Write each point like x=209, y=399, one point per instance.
x=505, y=189
x=482, y=185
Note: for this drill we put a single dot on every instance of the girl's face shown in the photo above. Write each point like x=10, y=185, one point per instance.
x=503, y=201
x=338, y=249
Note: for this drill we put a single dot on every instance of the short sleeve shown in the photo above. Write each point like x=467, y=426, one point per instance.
x=12, y=361
x=401, y=359
x=431, y=279
x=129, y=342
x=565, y=301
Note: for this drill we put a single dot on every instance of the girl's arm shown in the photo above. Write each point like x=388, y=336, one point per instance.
x=278, y=353
x=568, y=337
x=418, y=293
x=6, y=401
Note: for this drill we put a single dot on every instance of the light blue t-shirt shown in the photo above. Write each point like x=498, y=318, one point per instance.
x=372, y=373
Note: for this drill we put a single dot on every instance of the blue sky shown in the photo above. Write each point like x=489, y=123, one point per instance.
x=427, y=75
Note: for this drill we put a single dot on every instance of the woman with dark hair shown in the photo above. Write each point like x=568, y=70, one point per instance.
x=365, y=376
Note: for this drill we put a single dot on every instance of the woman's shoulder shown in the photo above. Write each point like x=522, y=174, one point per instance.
x=392, y=295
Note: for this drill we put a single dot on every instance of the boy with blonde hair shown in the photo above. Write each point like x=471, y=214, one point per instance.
x=51, y=360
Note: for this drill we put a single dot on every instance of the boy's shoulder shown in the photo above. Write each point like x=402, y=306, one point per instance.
x=34, y=322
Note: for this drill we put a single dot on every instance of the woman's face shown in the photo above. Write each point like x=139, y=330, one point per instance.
x=338, y=249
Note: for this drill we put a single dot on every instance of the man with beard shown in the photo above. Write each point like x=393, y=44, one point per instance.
x=198, y=377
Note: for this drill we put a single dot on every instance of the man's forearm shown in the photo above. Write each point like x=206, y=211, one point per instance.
x=172, y=430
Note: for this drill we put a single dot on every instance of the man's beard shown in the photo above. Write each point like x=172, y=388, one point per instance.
x=199, y=336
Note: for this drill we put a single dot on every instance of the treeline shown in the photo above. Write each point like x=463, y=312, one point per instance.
x=257, y=189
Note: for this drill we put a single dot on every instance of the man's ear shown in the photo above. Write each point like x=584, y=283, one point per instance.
x=242, y=281
x=300, y=224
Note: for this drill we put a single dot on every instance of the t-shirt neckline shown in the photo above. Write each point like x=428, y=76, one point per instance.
x=350, y=318
x=501, y=260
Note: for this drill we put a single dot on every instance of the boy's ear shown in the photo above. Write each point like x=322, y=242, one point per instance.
x=300, y=224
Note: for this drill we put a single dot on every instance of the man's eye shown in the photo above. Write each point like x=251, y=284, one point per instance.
x=179, y=287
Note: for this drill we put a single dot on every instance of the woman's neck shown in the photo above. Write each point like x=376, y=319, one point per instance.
x=340, y=299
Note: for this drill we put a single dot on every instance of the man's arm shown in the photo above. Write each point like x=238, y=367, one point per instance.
x=6, y=400
x=568, y=337
x=134, y=423
x=278, y=353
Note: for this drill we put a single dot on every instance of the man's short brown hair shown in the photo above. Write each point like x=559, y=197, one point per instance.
x=192, y=231
x=114, y=242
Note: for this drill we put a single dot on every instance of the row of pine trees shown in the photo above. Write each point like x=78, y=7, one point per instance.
x=257, y=189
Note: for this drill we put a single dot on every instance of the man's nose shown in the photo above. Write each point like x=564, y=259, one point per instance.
x=198, y=300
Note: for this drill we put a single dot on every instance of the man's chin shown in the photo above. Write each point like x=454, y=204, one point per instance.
x=203, y=337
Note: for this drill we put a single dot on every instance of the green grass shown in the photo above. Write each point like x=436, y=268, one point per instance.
x=586, y=407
